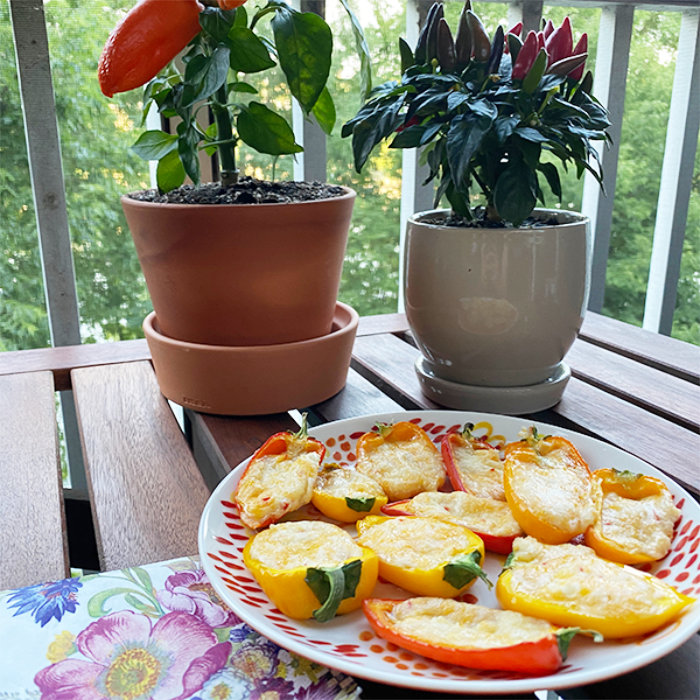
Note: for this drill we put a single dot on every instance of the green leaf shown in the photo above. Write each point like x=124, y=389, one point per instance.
x=534, y=75
x=362, y=52
x=266, y=131
x=505, y=126
x=304, y=45
x=464, y=138
x=248, y=53
x=206, y=77
x=360, y=505
x=144, y=577
x=461, y=570
x=187, y=143
x=216, y=22
x=332, y=585
x=136, y=602
x=324, y=111
x=153, y=145
x=515, y=193
x=170, y=172
x=551, y=173
x=240, y=86
x=407, y=59
x=566, y=634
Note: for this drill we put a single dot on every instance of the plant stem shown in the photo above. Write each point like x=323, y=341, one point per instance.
x=224, y=134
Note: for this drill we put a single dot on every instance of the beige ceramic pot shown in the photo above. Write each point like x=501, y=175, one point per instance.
x=242, y=274
x=497, y=307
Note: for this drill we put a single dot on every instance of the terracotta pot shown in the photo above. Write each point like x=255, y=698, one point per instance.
x=251, y=380
x=497, y=307
x=242, y=274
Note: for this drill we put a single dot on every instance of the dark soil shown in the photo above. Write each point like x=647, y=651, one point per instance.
x=245, y=191
x=452, y=220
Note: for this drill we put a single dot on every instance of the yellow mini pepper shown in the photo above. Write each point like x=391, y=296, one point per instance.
x=634, y=517
x=569, y=585
x=311, y=569
x=344, y=494
x=424, y=555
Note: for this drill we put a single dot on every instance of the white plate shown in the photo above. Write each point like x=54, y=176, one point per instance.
x=347, y=642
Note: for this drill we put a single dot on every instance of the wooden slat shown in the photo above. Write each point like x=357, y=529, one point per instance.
x=659, y=442
x=146, y=491
x=668, y=354
x=667, y=396
x=382, y=323
x=61, y=360
x=33, y=544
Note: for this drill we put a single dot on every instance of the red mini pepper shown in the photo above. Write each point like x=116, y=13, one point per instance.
x=473, y=465
x=526, y=56
x=580, y=48
x=279, y=478
x=560, y=42
x=498, y=639
x=151, y=34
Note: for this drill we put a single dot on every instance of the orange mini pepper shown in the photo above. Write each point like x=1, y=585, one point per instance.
x=402, y=458
x=548, y=487
x=151, y=34
x=487, y=638
x=635, y=516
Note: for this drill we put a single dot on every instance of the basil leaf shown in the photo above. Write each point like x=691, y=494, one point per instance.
x=333, y=585
x=460, y=571
x=565, y=635
x=360, y=505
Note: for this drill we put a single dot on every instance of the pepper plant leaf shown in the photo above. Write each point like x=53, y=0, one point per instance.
x=304, y=45
x=170, y=172
x=248, y=53
x=265, y=130
x=515, y=193
x=154, y=144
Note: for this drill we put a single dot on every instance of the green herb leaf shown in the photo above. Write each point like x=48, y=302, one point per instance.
x=248, y=52
x=304, y=44
x=360, y=505
x=266, y=131
x=460, y=571
x=153, y=145
x=333, y=585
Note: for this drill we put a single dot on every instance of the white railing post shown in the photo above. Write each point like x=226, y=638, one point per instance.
x=612, y=60
x=529, y=12
x=46, y=172
x=676, y=177
x=415, y=196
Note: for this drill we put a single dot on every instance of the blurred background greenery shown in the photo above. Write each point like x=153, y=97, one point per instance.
x=98, y=167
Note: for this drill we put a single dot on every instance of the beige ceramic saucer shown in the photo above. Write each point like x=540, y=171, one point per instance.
x=255, y=379
x=509, y=400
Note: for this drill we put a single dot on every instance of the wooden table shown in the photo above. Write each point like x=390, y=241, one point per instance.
x=149, y=481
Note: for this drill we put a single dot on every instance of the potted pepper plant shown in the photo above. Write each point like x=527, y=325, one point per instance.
x=238, y=263
x=495, y=288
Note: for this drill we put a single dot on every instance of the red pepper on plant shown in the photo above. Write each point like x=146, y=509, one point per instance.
x=560, y=42
x=526, y=57
x=151, y=34
x=580, y=48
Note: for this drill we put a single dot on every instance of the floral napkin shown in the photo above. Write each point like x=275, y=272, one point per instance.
x=157, y=631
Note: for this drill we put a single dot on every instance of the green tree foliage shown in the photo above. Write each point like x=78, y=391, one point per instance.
x=98, y=166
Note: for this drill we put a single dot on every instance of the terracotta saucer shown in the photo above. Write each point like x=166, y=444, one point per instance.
x=255, y=379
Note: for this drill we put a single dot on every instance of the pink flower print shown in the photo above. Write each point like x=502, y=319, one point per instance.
x=190, y=591
x=128, y=657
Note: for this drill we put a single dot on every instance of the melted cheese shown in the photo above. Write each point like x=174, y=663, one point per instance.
x=274, y=485
x=479, y=514
x=405, y=470
x=561, y=496
x=347, y=483
x=415, y=543
x=303, y=543
x=574, y=576
x=447, y=622
x=481, y=471
x=643, y=526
